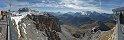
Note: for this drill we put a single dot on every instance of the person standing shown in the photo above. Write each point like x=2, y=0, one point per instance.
x=3, y=15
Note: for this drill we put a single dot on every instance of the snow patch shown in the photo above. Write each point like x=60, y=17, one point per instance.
x=24, y=25
x=29, y=24
x=17, y=19
x=24, y=28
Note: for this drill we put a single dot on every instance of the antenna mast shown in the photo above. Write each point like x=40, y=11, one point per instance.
x=100, y=4
x=10, y=5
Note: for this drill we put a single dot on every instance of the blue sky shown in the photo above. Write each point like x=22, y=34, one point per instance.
x=64, y=5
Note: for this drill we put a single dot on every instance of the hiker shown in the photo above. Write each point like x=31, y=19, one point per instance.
x=3, y=15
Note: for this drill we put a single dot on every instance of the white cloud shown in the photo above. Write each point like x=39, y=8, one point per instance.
x=15, y=5
x=74, y=4
x=83, y=5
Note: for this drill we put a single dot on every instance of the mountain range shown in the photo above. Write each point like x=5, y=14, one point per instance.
x=79, y=18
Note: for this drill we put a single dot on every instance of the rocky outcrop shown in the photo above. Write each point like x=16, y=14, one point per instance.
x=77, y=35
x=46, y=21
x=46, y=25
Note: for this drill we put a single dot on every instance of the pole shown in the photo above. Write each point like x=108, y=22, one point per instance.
x=8, y=21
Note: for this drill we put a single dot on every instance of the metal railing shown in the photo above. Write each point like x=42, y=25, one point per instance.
x=11, y=31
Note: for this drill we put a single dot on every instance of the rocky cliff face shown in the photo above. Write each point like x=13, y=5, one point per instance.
x=48, y=27
x=39, y=27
